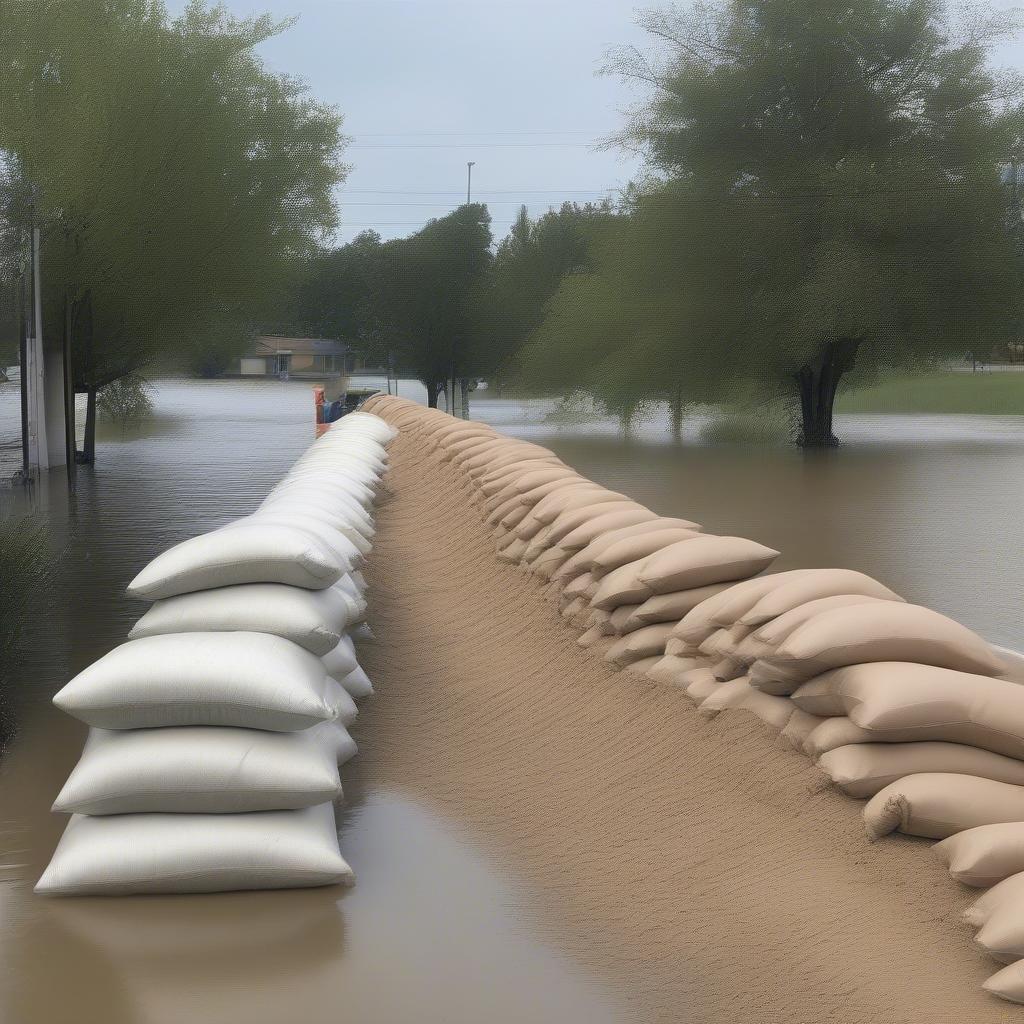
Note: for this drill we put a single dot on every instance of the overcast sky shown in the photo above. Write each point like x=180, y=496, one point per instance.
x=426, y=85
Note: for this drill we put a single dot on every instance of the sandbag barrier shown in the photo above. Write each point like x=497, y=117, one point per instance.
x=217, y=730
x=895, y=703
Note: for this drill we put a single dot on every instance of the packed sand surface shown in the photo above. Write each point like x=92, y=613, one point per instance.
x=715, y=875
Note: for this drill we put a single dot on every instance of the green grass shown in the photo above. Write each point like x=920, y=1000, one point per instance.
x=995, y=394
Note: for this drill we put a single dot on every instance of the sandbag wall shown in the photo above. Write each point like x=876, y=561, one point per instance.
x=217, y=730
x=894, y=702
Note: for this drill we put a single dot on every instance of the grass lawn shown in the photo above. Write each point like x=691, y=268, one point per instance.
x=996, y=394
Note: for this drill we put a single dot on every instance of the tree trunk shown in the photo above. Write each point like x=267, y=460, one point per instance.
x=88, y=455
x=676, y=415
x=465, y=398
x=818, y=383
x=433, y=392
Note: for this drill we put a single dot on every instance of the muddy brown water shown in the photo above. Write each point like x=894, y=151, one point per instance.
x=438, y=928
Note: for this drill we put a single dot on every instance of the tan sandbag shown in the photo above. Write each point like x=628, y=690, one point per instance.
x=699, y=623
x=724, y=695
x=811, y=585
x=1008, y=983
x=775, y=712
x=938, y=804
x=724, y=641
x=798, y=728
x=838, y=732
x=878, y=631
x=579, y=538
x=682, y=649
x=698, y=684
x=1003, y=894
x=619, y=619
x=902, y=702
x=642, y=666
x=640, y=546
x=744, y=598
x=579, y=586
x=763, y=640
x=621, y=586
x=513, y=552
x=862, y=769
x=1014, y=662
x=673, y=606
x=574, y=607
x=985, y=855
x=669, y=669
x=726, y=669
x=601, y=621
x=591, y=637
x=703, y=560
x=739, y=695
x=643, y=643
x=1002, y=935
x=585, y=495
x=568, y=521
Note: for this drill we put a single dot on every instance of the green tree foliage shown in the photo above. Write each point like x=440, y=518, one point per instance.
x=424, y=299
x=176, y=180
x=824, y=184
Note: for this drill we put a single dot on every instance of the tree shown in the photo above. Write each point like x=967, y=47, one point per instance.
x=824, y=183
x=174, y=178
x=424, y=295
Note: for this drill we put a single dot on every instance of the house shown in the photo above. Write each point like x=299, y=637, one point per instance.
x=273, y=356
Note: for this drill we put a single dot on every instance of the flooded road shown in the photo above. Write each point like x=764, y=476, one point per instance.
x=435, y=930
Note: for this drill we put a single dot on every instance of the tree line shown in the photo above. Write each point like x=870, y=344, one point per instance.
x=826, y=192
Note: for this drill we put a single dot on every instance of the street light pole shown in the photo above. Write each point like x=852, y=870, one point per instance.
x=469, y=180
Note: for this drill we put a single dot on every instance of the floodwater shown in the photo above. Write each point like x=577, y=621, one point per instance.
x=435, y=930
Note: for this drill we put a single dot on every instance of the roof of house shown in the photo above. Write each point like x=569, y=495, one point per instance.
x=270, y=344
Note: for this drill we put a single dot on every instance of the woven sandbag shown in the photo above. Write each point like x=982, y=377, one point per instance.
x=863, y=769
x=985, y=855
x=937, y=805
x=878, y=631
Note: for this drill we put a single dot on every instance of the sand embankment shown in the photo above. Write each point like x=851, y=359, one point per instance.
x=711, y=873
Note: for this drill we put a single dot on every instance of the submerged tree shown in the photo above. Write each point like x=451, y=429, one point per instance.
x=175, y=179
x=825, y=183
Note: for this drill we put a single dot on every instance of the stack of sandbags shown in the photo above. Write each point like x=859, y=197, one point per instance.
x=217, y=730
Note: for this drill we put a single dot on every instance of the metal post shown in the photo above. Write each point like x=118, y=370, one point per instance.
x=469, y=180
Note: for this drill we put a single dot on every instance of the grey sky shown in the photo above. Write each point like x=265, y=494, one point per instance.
x=426, y=85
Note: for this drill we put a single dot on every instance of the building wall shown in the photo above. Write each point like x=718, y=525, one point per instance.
x=253, y=366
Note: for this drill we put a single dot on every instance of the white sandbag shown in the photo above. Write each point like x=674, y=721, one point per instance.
x=244, y=552
x=703, y=560
x=248, y=680
x=203, y=770
x=357, y=684
x=178, y=853
x=1008, y=983
x=985, y=855
x=810, y=585
x=314, y=619
x=862, y=769
x=340, y=660
x=902, y=702
x=936, y=805
x=878, y=631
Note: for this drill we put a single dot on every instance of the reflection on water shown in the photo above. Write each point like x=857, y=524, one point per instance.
x=431, y=933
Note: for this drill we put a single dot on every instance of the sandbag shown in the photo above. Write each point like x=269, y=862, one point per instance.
x=248, y=680
x=862, y=769
x=742, y=599
x=669, y=669
x=621, y=586
x=313, y=619
x=1005, y=893
x=205, y=770
x=703, y=560
x=630, y=549
x=244, y=552
x=698, y=684
x=763, y=640
x=839, y=732
x=936, y=805
x=1002, y=935
x=878, y=631
x=357, y=684
x=178, y=853
x=643, y=643
x=799, y=726
x=810, y=585
x=673, y=606
x=902, y=702
x=1008, y=983
x=739, y=695
x=985, y=855
x=620, y=618
x=700, y=622
x=583, y=534
x=340, y=660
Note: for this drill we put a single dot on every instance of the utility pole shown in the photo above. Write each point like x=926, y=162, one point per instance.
x=469, y=180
